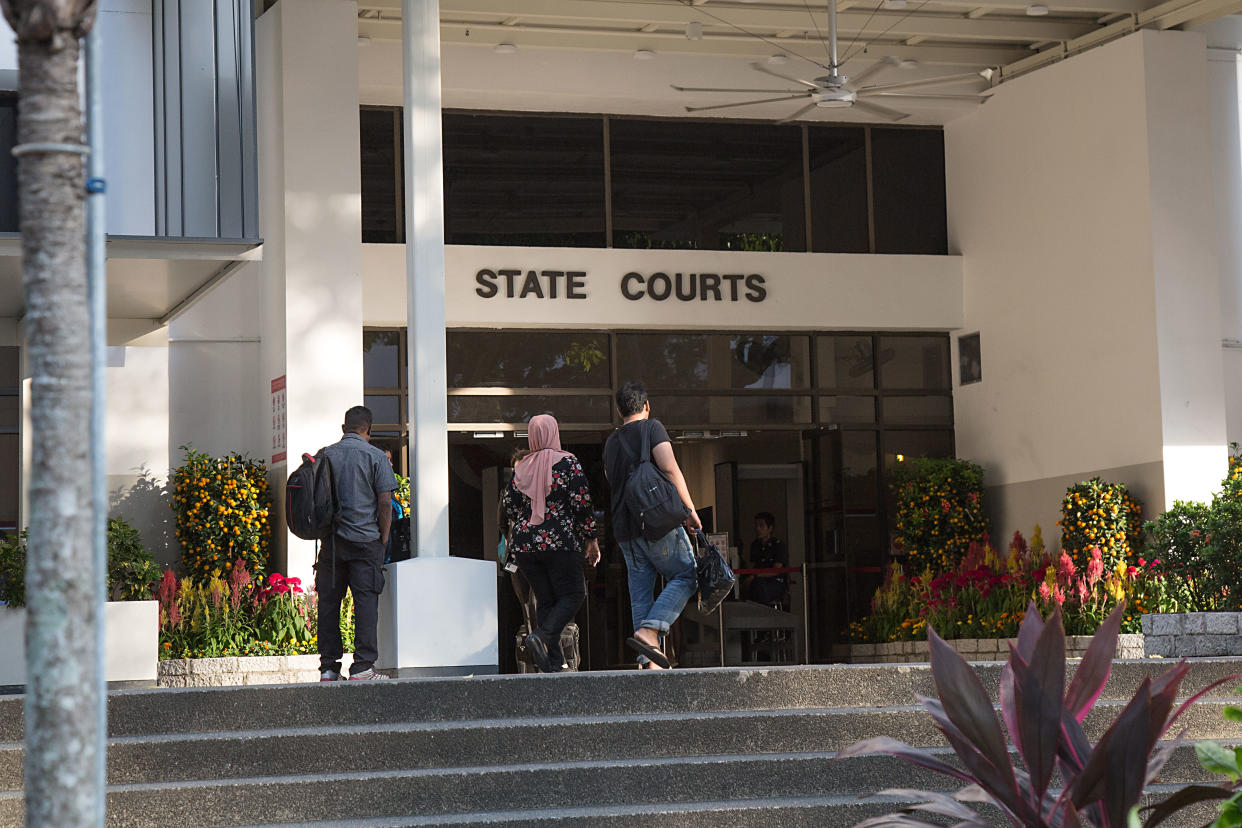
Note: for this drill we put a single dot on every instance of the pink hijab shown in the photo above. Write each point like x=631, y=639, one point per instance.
x=533, y=475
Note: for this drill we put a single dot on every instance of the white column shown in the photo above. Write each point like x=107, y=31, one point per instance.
x=424, y=257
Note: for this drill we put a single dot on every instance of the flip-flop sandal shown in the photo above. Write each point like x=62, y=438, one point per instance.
x=653, y=653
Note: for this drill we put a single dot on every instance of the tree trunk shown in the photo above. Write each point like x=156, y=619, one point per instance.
x=63, y=742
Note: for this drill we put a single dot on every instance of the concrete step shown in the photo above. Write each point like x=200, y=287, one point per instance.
x=200, y=710
x=421, y=745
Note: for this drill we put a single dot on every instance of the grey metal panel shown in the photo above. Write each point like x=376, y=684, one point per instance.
x=206, y=155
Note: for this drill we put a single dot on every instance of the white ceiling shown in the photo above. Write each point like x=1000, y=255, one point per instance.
x=578, y=55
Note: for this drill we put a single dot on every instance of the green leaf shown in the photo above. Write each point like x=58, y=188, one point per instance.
x=1133, y=821
x=1216, y=759
x=1230, y=816
x=1233, y=714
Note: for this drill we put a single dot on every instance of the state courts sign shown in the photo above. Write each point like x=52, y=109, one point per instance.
x=674, y=289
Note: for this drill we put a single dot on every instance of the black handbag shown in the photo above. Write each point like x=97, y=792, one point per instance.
x=716, y=578
x=650, y=497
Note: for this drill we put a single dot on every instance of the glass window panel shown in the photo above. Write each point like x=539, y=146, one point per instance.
x=381, y=359
x=676, y=361
x=707, y=186
x=525, y=180
x=382, y=190
x=10, y=412
x=717, y=411
x=910, y=445
x=911, y=363
x=8, y=164
x=907, y=176
x=838, y=161
x=836, y=410
x=385, y=409
x=859, y=472
x=527, y=359
x=918, y=410
x=10, y=447
x=10, y=362
x=866, y=540
x=845, y=362
x=519, y=409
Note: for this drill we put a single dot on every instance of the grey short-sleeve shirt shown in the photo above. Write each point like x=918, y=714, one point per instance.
x=362, y=475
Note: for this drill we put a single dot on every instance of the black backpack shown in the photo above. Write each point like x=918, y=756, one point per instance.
x=311, y=508
x=651, y=498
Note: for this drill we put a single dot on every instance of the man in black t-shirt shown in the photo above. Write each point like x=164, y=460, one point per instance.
x=766, y=552
x=670, y=556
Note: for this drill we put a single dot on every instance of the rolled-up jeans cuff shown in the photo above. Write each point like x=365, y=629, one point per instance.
x=654, y=624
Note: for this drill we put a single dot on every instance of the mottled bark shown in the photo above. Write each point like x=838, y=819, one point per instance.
x=63, y=742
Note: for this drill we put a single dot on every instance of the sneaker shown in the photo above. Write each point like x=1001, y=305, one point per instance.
x=539, y=652
x=329, y=675
x=367, y=675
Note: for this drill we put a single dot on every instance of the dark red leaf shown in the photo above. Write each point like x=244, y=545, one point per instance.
x=966, y=703
x=1008, y=708
x=1074, y=749
x=1028, y=631
x=1177, y=800
x=1186, y=704
x=1161, y=755
x=1117, y=769
x=1092, y=673
x=1090, y=784
x=1038, y=690
x=934, y=802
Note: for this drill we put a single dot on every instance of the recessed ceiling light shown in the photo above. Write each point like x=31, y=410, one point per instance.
x=1036, y=10
x=778, y=60
x=894, y=5
x=504, y=49
x=643, y=54
x=694, y=30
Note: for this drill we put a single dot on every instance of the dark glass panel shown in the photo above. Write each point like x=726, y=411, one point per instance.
x=527, y=359
x=836, y=410
x=381, y=359
x=519, y=409
x=859, y=472
x=382, y=190
x=918, y=410
x=10, y=413
x=717, y=361
x=707, y=186
x=716, y=411
x=838, y=160
x=8, y=164
x=910, y=445
x=385, y=408
x=845, y=362
x=866, y=540
x=911, y=363
x=530, y=181
x=907, y=177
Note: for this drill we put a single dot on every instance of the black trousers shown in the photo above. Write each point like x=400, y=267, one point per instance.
x=556, y=579
x=358, y=567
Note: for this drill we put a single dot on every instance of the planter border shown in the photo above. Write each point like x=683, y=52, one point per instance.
x=1193, y=634
x=241, y=670
x=972, y=649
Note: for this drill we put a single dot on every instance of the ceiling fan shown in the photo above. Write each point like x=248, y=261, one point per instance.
x=835, y=91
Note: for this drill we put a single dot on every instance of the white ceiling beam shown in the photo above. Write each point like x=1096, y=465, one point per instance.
x=975, y=14
x=915, y=41
x=675, y=43
x=1176, y=12
x=762, y=20
x=521, y=7
x=650, y=27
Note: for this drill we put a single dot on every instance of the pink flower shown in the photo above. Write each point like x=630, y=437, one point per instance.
x=1066, y=569
x=1195, y=533
x=1045, y=594
x=1080, y=589
x=1058, y=595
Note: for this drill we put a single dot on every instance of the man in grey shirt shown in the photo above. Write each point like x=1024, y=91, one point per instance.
x=353, y=557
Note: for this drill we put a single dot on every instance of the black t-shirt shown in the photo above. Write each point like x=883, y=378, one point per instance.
x=620, y=456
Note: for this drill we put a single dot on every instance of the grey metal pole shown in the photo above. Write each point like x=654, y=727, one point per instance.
x=832, y=34
x=96, y=277
x=424, y=262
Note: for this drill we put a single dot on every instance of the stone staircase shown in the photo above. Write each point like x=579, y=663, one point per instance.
x=711, y=747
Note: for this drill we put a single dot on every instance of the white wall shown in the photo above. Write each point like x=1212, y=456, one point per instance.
x=1224, y=69
x=1064, y=192
x=129, y=142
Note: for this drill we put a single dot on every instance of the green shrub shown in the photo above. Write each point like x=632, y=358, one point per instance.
x=132, y=572
x=13, y=569
x=1104, y=515
x=222, y=514
x=939, y=511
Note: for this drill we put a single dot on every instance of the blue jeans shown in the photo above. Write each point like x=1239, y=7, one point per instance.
x=670, y=556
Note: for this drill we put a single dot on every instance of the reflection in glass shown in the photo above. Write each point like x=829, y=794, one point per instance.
x=523, y=180
x=707, y=186
x=519, y=409
x=838, y=160
x=918, y=410
x=527, y=359
x=910, y=445
x=716, y=411
x=716, y=361
x=916, y=363
x=385, y=408
x=382, y=186
x=907, y=175
x=838, y=410
x=845, y=362
x=381, y=359
x=859, y=472
x=766, y=361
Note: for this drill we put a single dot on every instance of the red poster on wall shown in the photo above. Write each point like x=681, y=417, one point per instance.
x=280, y=421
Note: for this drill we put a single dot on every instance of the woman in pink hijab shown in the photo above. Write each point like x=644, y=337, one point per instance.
x=548, y=504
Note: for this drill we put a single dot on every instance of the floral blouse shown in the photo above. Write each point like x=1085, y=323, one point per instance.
x=568, y=522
